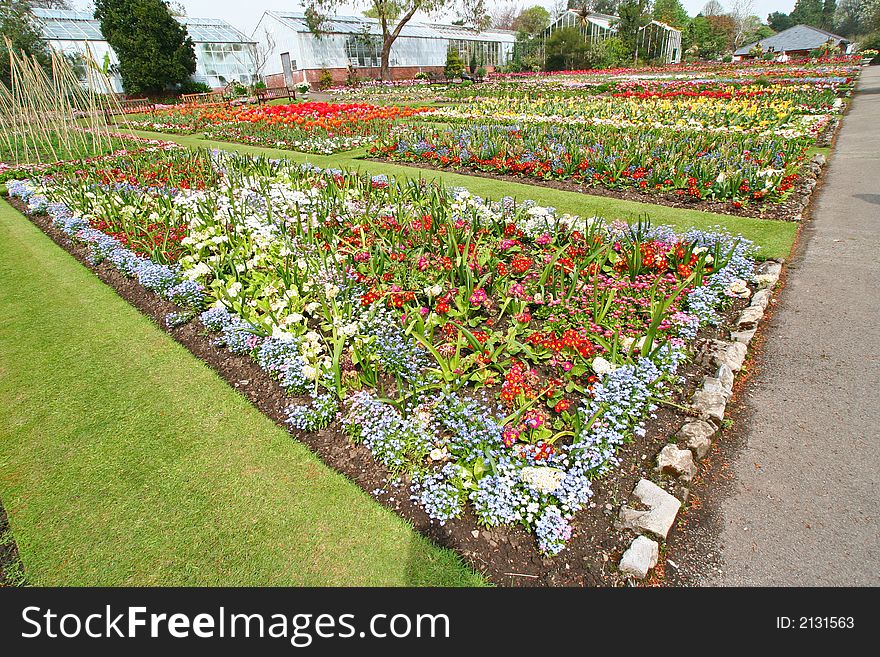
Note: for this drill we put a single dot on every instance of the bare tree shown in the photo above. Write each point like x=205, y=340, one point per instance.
x=261, y=53
x=505, y=15
x=742, y=12
x=713, y=8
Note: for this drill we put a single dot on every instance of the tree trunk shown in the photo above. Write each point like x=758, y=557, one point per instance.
x=385, y=70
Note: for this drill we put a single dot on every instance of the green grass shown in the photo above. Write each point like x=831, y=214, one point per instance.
x=124, y=460
x=774, y=237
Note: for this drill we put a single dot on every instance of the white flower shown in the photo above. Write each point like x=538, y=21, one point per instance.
x=350, y=329
x=234, y=289
x=310, y=372
x=331, y=290
x=602, y=366
x=438, y=454
x=544, y=480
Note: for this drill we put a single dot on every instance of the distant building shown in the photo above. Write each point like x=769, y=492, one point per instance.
x=658, y=40
x=796, y=42
x=296, y=54
x=223, y=54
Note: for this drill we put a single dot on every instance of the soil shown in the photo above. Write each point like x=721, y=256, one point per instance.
x=506, y=556
x=11, y=568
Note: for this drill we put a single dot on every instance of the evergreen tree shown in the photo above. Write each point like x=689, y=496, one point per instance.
x=807, y=12
x=154, y=50
x=779, y=21
x=829, y=8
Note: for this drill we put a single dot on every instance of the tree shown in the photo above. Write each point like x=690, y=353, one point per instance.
x=599, y=6
x=848, y=19
x=154, y=50
x=807, y=12
x=454, y=65
x=505, y=15
x=632, y=16
x=17, y=25
x=779, y=21
x=260, y=55
x=707, y=37
x=392, y=15
x=829, y=8
x=566, y=50
x=741, y=12
x=532, y=20
x=671, y=12
x=712, y=8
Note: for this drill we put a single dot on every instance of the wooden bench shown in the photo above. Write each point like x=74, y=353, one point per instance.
x=203, y=98
x=128, y=106
x=271, y=93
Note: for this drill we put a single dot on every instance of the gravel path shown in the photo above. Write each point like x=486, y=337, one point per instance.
x=803, y=502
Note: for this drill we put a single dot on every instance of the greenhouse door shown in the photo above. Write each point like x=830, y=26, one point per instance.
x=285, y=66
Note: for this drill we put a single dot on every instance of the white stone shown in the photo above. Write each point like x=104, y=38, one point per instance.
x=761, y=298
x=713, y=384
x=710, y=405
x=725, y=375
x=661, y=513
x=697, y=436
x=743, y=336
x=677, y=462
x=751, y=315
x=640, y=557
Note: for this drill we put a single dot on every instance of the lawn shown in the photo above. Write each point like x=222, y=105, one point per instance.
x=774, y=237
x=124, y=460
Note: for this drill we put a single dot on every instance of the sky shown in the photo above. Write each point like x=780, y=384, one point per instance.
x=245, y=14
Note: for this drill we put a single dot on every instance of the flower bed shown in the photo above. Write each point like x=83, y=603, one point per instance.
x=308, y=127
x=732, y=136
x=491, y=356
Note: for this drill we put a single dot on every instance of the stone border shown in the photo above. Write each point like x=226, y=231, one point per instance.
x=708, y=405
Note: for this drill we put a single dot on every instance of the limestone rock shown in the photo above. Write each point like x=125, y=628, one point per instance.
x=661, y=513
x=639, y=558
x=710, y=405
x=677, y=462
x=697, y=436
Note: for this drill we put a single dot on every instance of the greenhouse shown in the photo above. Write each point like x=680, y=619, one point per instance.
x=656, y=39
x=351, y=42
x=223, y=54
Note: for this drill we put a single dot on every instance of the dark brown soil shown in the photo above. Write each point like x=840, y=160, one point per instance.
x=788, y=210
x=506, y=556
x=11, y=568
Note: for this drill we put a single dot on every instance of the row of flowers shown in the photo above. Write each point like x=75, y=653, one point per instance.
x=311, y=127
x=491, y=355
x=695, y=165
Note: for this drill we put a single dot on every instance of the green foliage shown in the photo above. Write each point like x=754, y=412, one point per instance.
x=325, y=79
x=454, y=65
x=193, y=87
x=18, y=26
x=671, y=12
x=707, y=37
x=779, y=21
x=532, y=20
x=155, y=52
x=566, y=50
x=807, y=12
x=632, y=15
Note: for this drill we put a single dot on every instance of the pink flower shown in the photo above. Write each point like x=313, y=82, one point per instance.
x=478, y=297
x=544, y=239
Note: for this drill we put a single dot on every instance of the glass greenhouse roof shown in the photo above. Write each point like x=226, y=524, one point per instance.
x=64, y=25
x=358, y=25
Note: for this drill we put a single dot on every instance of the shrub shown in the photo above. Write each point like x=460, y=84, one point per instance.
x=454, y=66
x=303, y=87
x=325, y=79
x=421, y=76
x=193, y=87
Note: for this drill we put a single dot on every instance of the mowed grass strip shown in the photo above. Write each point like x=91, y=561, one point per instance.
x=774, y=237
x=124, y=460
